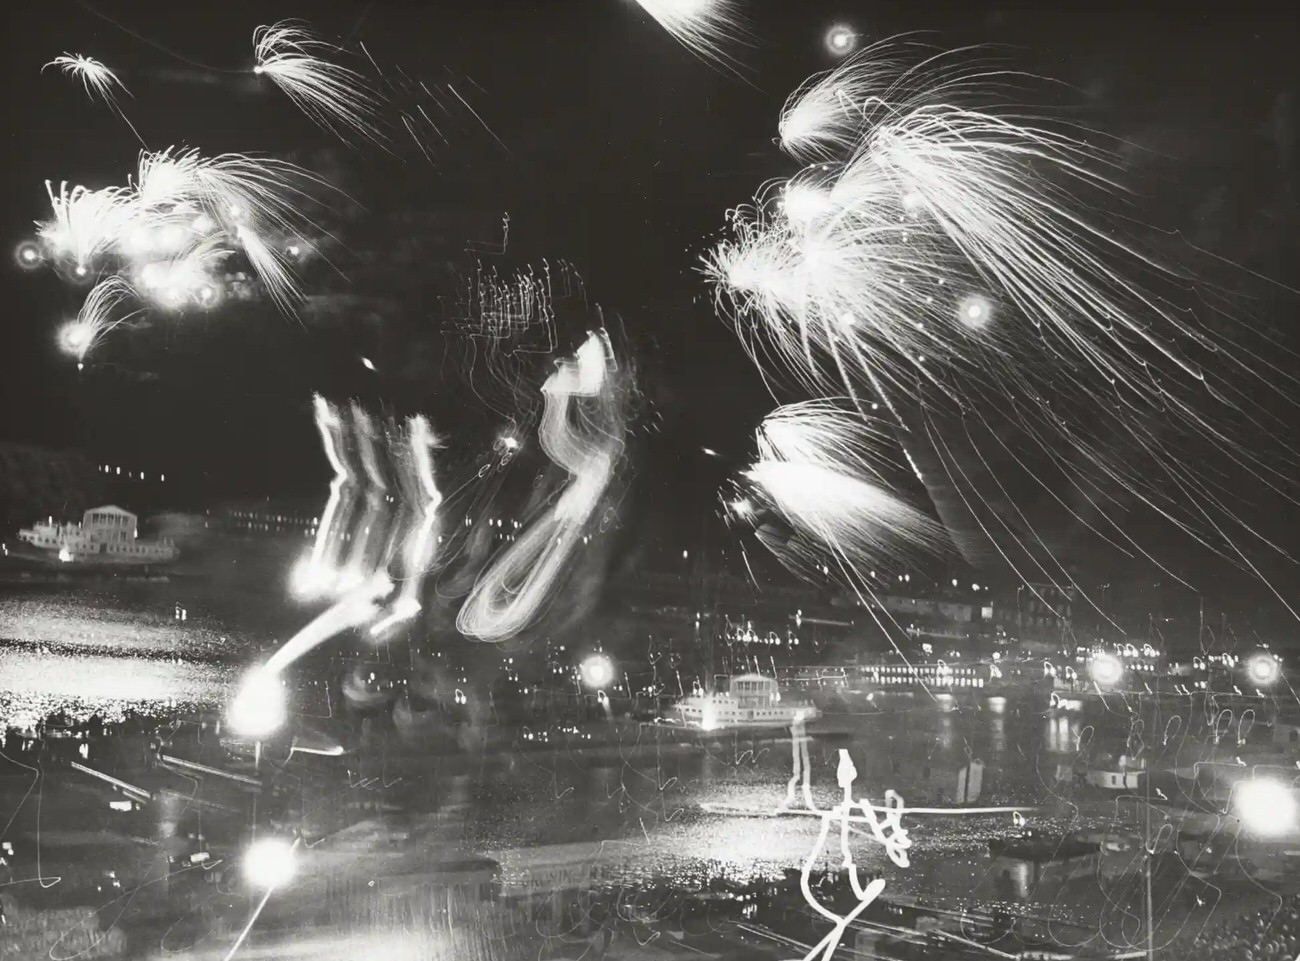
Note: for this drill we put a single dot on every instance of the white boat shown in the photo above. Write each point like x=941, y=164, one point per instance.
x=106, y=536
x=750, y=701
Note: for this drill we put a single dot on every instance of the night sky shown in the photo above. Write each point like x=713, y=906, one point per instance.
x=621, y=154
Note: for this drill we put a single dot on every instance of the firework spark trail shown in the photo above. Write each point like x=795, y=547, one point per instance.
x=943, y=253
x=98, y=315
x=86, y=225
x=819, y=468
x=182, y=214
x=508, y=596
x=703, y=27
x=334, y=97
x=97, y=80
x=369, y=534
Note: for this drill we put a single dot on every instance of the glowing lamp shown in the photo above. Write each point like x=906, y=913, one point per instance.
x=269, y=863
x=597, y=671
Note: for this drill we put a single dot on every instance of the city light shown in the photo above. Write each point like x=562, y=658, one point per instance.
x=1266, y=806
x=1106, y=670
x=597, y=671
x=269, y=863
x=1263, y=669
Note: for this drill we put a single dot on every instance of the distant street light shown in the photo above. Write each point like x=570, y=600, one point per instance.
x=1266, y=805
x=1105, y=670
x=597, y=671
x=269, y=863
x=1263, y=669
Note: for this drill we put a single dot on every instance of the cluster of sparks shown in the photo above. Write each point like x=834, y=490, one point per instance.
x=934, y=257
x=164, y=239
x=705, y=27
x=819, y=470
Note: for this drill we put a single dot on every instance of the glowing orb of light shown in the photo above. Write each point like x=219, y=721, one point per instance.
x=81, y=270
x=207, y=295
x=1106, y=669
x=1266, y=805
x=510, y=442
x=597, y=671
x=75, y=337
x=259, y=709
x=974, y=311
x=1263, y=669
x=742, y=507
x=841, y=40
x=367, y=363
x=269, y=863
x=65, y=555
x=29, y=255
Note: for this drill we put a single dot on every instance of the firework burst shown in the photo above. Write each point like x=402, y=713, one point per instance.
x=940, y=256
x=334, y=97
x=100, y=313
x=704, y=27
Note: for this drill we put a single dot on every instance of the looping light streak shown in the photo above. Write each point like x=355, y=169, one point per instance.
x=511, y=592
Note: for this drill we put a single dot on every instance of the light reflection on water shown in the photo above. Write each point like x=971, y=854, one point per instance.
x=35, y=685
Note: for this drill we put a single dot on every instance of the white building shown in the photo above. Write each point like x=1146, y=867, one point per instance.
x=106, y=534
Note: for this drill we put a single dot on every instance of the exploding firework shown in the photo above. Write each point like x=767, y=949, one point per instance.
x=87, y=225
x=822, y=469
x=705, y=27
x=100, y=313
x=938, y=257
x=334, y=97
x=97, y=80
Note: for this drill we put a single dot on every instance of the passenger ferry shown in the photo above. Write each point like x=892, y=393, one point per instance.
x=106, y=536
x=750, y=701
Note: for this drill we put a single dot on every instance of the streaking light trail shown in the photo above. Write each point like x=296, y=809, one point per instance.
x=511, y=592
x=334, y=97
x=97, y=80
x=704, y=27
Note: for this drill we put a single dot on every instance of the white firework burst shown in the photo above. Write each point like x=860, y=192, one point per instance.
x=705, y=27
x=335, y=97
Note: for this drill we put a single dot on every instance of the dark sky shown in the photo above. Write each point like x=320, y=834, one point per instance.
x=621, y=154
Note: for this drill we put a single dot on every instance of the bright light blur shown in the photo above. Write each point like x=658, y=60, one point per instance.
x=597, y=671
x=259, y=709
x=840, y=40
x=75, y=337
x=28, y=255
x=269, y=863
x=975, y=311
x=1105, y=669
x=1265, y=805
x=1263, y=669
